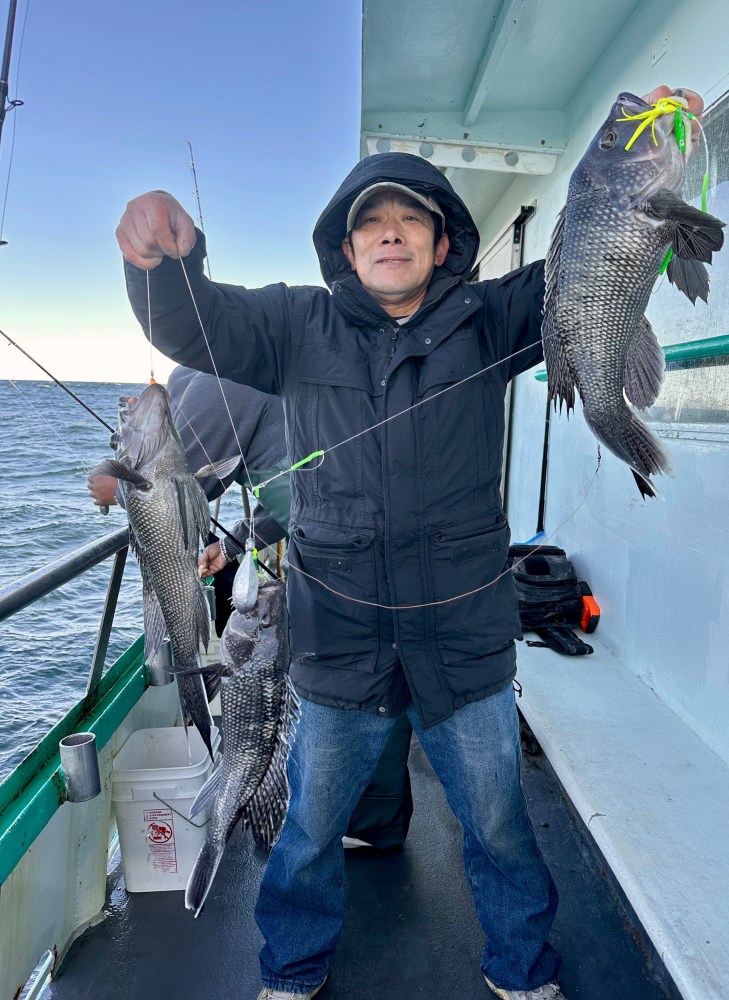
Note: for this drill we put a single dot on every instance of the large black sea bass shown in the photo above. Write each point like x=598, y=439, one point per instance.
x=259, y=711
x=622, y=216
x=168, y=516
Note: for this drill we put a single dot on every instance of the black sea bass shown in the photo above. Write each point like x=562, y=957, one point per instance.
x=621, y=218
x=168, y=516
x=259, y=710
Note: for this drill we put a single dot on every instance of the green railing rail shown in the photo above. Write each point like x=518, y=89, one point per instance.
x=687, y=355
x=32, y=793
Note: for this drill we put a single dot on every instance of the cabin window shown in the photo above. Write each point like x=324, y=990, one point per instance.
x=695, y=392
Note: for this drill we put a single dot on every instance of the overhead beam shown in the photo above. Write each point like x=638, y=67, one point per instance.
x=465, y=156
x=503, y=29
x=543, y=131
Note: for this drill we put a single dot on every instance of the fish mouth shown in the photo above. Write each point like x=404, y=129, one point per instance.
x=149, y=406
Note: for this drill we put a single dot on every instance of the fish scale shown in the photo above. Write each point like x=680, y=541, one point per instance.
x=168, y=517
x=259, y=712
x=621, y=217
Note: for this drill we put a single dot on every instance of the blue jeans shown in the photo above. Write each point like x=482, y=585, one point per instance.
x=476, y=755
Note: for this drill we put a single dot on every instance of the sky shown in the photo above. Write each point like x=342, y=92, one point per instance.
x=267, y=92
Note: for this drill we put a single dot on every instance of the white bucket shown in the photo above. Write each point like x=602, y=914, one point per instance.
x=159, y=847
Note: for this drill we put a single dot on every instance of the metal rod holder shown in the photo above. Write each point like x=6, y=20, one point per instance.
x=80, y=764
x=159, y=667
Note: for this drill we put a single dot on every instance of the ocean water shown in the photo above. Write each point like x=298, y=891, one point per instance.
x=48, y=444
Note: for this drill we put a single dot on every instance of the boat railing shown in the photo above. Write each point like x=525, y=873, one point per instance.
x=51, y=848
x=704, y=353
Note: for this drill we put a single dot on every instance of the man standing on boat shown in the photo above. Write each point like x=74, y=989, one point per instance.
x=401, y=521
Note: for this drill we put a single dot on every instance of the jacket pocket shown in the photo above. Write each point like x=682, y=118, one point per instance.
x=327, y=627
x=472, y=562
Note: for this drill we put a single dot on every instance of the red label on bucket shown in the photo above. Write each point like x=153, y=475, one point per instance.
x=160, y=835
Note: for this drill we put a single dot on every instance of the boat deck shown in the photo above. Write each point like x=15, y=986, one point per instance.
x=411, y=929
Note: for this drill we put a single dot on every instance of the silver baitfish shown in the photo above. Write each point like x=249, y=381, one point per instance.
x=621, y=218
x=168, y=517
x=259, y=712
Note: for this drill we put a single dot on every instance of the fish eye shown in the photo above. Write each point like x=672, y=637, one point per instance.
x=609, y=139
x=265, y=619
x=114, y=440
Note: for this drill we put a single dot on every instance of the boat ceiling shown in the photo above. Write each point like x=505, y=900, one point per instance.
x=480, y=87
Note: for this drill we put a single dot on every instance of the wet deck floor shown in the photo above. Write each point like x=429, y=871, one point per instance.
x=411, y=928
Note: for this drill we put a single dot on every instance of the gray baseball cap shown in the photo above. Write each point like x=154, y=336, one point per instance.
x=430, y=203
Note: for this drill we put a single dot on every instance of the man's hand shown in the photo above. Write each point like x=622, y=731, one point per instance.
x=154, y=226
x=695, y=106
x=102, y=489
x=210, y=560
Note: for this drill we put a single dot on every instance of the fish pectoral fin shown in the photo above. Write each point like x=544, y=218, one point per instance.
x=697, y=235
x=202, y=618
x=207, y=794
x=644, y=366
x=112, y=467
x=194, y=511
x=181, y=495
x=690, y=277
x=222, y=469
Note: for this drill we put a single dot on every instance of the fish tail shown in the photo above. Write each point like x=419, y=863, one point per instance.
x=202, y=875
x=627, y=436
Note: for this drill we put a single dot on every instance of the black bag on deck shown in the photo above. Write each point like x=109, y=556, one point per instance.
x=549, y=596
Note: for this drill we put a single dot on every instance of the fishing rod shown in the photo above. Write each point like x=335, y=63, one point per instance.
x=6, y=62
x=103, y=508
x=58, y=382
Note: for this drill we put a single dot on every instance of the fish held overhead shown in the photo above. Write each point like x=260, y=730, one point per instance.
x=168, y=517
x=623, y=215
x=259, y=712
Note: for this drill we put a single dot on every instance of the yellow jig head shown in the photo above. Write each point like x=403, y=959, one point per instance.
x=676, y=106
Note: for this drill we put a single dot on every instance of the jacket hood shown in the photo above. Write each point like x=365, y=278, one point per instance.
x=414, y=172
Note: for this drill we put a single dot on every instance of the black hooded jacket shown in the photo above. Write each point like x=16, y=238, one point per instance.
x=405, y=515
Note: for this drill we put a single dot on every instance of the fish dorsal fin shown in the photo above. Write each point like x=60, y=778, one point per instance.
x=644, y=366
x=266, y=809
x=552, y=263
x=561, y=383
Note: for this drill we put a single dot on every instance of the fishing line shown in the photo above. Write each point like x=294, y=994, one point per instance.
x=149, y=320
x=324, y=452
x=48, y=424
x=467, y=593
x=215, y=368
x=250, y=545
